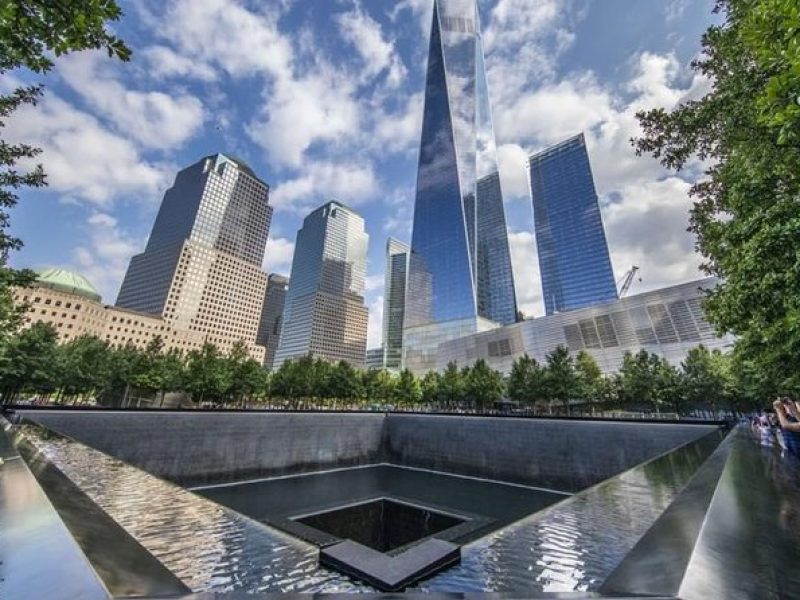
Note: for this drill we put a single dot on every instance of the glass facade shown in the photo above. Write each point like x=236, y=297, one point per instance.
x=201, y=268
x=269, y=329
x=668, y=322
x=394, y=302
x=573, y=253
x=460, y=264
x=325, y=314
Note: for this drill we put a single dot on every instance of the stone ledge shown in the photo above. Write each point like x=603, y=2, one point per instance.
x=390, y=573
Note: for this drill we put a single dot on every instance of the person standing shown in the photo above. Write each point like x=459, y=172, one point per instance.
x=789, y=420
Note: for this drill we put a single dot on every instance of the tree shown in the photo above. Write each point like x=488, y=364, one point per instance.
x=31, y=33
x=407, y=391
x=526, y=383
x=430, y=388
x=451, y=386
x=746, y=212
x=84, y=366
x=648, y=381
x=483, y=386
x=207, y=379
x=704, y=379
x=590, y=377
x=245, y=377
x=561, y=380
x=343, y=382
x=29, y=361
x=378, y=385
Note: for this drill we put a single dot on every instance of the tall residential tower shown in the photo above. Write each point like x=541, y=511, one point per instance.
x=325, y=315
x=201, y=268
x=573, y=254
x=460, y=279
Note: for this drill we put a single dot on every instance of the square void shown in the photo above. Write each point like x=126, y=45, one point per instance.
x=382, y=524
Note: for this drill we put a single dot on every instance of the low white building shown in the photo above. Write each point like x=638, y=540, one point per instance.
x=668, y=322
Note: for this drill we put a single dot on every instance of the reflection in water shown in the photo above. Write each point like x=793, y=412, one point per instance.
x=208, y=547
x=572, y=545
x=575, y=544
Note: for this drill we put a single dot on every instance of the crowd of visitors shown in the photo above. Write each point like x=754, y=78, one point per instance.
x=782, y=426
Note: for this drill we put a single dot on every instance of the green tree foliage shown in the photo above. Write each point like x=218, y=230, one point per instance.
x=526, y=383
x=706, y=379
x=483, y=385
x=430, y=388
x=31, y=33
x=590, y=386
x=29, y=362
x=561, y=379
x=207, y=379
x=378, y=385
x=407, y=390
x=85, y=366
x=746, y=214
x=451, y=386
x=647, y=381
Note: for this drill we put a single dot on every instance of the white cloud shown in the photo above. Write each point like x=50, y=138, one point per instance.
x=298, y=113
x=375, y=323
x=278, y=255
x=513, y=164
x=374, y=282
x=399, y=131
x=526, y=273
x=104, y=254
x=324, y=181
x=226, y=34
x=154, y=119
x=82, y=158
x=164, y=62
x=377, y=54
x=647, y=227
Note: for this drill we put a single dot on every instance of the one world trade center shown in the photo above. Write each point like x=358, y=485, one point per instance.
x=460, y=279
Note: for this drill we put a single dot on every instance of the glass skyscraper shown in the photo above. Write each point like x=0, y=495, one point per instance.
x=460, y=277
x=394, y=302
x=269, y=329
x=573, y=253
x=201, y=268
x=325, y=315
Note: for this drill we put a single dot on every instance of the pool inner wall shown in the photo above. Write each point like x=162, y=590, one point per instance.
x=193, y=449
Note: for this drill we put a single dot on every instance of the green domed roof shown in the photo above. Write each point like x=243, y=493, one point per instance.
x=66, y=281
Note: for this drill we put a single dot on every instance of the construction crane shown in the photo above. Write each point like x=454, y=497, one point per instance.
x=627, y=280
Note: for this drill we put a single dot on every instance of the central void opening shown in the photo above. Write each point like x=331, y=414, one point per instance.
x=383, y=507
x=383, y=524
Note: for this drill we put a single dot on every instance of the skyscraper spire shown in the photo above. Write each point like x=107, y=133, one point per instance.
x=460, y=277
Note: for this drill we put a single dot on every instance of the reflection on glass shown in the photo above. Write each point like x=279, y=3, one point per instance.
x=460, y=265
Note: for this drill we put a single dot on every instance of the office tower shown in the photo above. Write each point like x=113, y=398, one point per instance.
x=573, y=254
x=201, y=268
x=269, y=329
x=460, y=279
x=394, y=302
x=374, y=359
x=325, y=315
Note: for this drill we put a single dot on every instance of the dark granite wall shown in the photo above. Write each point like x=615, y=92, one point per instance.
x=200, y=448
x=565, y=455
x=203, y=448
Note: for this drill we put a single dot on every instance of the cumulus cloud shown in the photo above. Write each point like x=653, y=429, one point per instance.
x=324, y=181
x=378, y=55
x=104, y=254
x=154, y=119
x=375, y=323
x=278, y=255
x=164, y=62
x=526, y=273
x=82, y=158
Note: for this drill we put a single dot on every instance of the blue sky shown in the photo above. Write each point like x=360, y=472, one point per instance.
x=323, y=98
